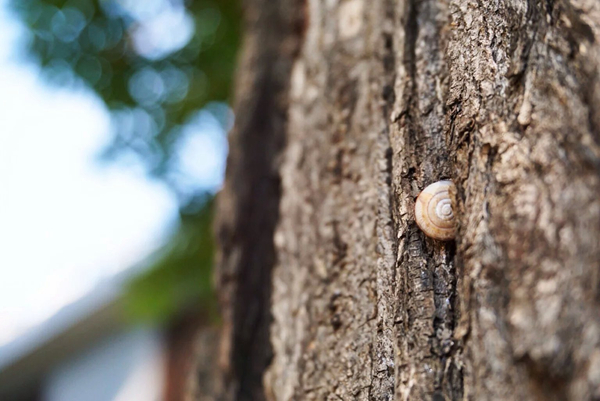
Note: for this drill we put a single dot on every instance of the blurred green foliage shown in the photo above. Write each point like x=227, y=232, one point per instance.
x=155, y=64
x=182, y=275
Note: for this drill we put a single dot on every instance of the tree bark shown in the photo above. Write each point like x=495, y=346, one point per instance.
x=346, y=110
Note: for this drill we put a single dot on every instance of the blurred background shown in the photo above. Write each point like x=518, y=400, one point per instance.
x=113, y=123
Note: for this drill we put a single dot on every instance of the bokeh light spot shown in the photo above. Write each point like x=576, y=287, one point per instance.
x=67, y=24
x=147, y=87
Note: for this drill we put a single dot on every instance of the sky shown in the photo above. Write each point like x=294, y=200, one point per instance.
x=66, y=221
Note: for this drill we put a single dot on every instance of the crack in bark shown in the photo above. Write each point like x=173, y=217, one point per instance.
x=249, y=203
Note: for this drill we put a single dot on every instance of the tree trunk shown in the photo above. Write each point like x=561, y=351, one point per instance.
x=346, y=110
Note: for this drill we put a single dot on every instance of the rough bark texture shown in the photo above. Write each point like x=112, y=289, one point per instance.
x=330, y=290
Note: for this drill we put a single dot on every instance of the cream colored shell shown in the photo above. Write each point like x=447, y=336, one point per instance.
x=433, y=211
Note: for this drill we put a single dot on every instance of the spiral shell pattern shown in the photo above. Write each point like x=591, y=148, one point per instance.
x=433, y=211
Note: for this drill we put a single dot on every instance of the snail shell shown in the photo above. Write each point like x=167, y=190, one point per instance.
x=433, y=211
